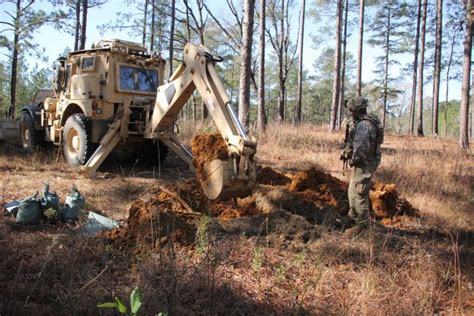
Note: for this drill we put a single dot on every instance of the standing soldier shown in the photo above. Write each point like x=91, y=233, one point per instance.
x=362, y=152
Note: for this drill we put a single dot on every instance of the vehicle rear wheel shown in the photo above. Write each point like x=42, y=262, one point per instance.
x=28, y=135
x=77, y=146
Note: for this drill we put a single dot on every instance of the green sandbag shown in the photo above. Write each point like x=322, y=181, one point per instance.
x=30, y=211
x=50, y=199
x=73, y=205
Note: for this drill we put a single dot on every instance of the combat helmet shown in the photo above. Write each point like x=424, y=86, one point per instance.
x=358, y=103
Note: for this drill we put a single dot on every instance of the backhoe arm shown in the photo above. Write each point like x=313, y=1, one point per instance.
x=235, y=175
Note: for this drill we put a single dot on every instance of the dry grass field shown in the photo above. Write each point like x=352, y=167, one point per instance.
x=279, y=264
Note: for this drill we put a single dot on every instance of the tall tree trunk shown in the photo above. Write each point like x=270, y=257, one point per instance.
x=387, y=56
x=415, y=70
x=361, y=45
x=145, y=22
x=246, y=61
x=437, y=69
x=297, y=117
x=464, y=115
x=340, y=112
x=13, y=80
x=85, y=5
x=448, y=69
x=78, y=25
x=281, y=80
x=420, y=70
x=337, y=68
x=173, y=13
x=152, y=28
x=261, y=72
x=200, y=5
x=188, y=33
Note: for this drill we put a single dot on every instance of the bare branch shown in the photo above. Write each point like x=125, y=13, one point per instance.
x=222, y=28
x=27, y=6
x=8, y=23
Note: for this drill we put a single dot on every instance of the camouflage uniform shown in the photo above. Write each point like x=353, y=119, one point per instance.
x=364, y=145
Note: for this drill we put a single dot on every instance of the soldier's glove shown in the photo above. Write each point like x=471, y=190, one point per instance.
x=354, y=161
x=346, y=155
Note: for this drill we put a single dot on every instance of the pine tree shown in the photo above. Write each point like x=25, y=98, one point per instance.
x=278, y=32
x=437, y=67
x=246, y=60
x=415, y=69
x=337, y=68
x=466, y=76
x=261, y=119
x=388, y=25
x=24, y=22
x=421, y=69
x=297, y=117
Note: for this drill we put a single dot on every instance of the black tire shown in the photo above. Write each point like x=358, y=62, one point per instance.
x=29, y=137
x=77, y=146
x=148, y=152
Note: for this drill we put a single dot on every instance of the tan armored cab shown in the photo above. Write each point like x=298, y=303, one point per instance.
x=114, y=95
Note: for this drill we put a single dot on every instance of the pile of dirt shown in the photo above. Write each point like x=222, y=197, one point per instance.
x=164, y=217
x=322, y=188
x=270, y=176
x=205, y=148
x=300, y=201
x=225, y=209
x=386, y=202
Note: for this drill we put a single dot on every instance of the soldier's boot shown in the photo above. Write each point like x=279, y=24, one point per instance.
x=355, y=231
x=361, y=225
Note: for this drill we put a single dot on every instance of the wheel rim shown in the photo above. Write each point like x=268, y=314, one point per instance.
x=73, y=142
x=25, y=135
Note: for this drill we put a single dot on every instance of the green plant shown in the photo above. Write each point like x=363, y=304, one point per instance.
x=257, y=259
x=202, y=234
x=135, y=303
x=281, y=270
x=52, y=215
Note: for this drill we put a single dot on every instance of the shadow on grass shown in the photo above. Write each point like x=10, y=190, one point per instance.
x=47, y=271
x=118, y=163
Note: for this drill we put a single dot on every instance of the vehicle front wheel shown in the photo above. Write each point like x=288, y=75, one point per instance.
x=28, y=135
x=77, y=146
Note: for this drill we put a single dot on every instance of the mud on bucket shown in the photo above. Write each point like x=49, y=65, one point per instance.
x=218, y=180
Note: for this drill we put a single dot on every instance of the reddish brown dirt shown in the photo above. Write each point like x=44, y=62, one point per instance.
x=160, y=219
x=386, y=202
x=269, y=176
x=173, y=212
x=205, y=148
x=319, y=186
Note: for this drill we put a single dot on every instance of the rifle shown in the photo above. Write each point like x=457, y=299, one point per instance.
x=346, y=152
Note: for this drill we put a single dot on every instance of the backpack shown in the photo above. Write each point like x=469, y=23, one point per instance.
x=374, y=119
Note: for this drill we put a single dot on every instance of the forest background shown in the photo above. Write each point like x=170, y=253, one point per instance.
x=393, y=72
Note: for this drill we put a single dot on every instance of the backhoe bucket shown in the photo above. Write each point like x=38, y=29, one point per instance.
x=219, y=180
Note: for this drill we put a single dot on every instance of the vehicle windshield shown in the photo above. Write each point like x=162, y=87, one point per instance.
x=138, y=79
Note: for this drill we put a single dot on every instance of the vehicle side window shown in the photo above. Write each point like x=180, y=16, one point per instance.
x=68, y=75
x=138, y=79
x=88, y=63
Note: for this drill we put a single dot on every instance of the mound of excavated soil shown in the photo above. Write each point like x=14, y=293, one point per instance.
x=386, y=203
x=322, y=188
x=162, y=218
x=269, y=176
x=205, y=148
x=289, y=206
